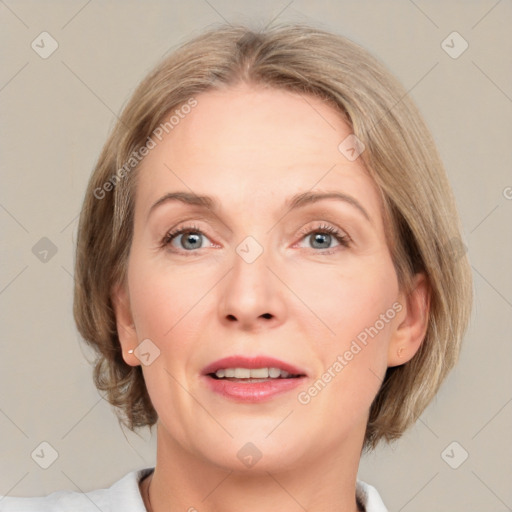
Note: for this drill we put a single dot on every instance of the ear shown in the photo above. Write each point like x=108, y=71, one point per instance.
x=412, y=322
x=124, y=322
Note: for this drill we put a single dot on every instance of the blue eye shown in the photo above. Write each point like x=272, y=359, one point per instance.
x=188, y=238
x=191, y=238
x=323, y=236
x=322, y=240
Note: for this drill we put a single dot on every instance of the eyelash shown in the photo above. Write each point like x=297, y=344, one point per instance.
x=342, y=238
x=168, y=238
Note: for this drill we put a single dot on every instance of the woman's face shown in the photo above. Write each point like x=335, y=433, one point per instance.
x=260, y=271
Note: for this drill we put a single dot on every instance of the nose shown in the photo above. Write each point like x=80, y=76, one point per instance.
x=251, y=296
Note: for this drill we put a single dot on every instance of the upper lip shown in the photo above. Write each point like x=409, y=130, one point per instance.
x=251, y=363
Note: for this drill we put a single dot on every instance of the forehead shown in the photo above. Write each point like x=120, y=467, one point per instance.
x=245, y=144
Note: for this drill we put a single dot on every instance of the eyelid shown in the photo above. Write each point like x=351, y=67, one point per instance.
x=339, y=234
x=178, y=230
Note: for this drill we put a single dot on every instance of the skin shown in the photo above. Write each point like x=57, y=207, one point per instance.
x=304, y=303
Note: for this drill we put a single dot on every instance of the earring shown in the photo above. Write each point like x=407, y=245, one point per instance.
x=130, y=351
x=399, y=352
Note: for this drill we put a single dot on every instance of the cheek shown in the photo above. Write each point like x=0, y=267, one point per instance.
x=355, y=306
x=350, y=298
x=354, y=358
x=163, y=300
x=162, y=295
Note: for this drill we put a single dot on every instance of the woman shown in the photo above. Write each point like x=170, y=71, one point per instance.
x=266, y=269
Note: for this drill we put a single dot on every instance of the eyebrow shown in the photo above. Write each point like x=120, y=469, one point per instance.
x=297, y=201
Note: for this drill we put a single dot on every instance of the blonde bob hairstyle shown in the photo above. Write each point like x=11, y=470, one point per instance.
x=422, y=225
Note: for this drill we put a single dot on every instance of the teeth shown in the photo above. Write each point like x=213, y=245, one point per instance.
x=242, y=373
x=274, y=372
x=253, y=373
x=258, y=373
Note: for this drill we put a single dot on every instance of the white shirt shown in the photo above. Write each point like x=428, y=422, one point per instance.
x=124, y=496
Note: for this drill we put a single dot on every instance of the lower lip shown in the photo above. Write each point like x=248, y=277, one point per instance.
x=252, y=391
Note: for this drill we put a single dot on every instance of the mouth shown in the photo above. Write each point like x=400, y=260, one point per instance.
x=255, y=369
x=251, y=375
x=254, y=379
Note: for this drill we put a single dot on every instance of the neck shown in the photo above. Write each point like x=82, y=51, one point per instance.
x=183, y=481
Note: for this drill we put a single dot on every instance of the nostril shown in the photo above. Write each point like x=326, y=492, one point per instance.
x=233, y=318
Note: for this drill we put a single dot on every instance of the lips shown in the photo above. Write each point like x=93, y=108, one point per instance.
x=252, y=363
x=252, y=390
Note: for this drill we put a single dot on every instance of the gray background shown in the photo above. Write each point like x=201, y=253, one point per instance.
x=55, y=115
